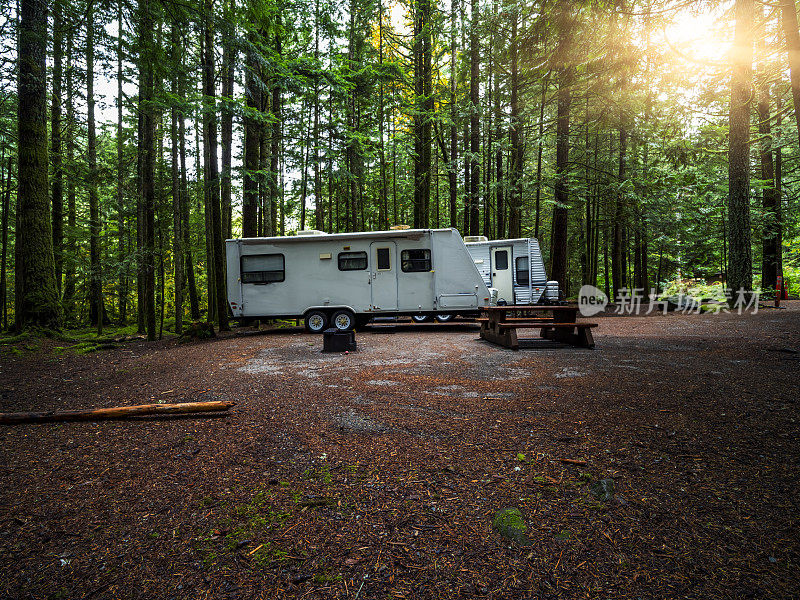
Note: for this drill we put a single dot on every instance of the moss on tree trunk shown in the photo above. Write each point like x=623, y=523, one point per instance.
x=37, y=295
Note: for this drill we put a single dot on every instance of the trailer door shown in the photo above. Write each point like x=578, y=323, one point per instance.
x=383, y=273
x=501, y=273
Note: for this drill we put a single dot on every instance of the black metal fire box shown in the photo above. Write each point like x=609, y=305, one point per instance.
x=334, y=340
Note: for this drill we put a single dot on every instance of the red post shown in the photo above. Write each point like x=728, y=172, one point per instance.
x=778, y=291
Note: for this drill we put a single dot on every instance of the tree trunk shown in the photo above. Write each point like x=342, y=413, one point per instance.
x=148, y=152
x=177, y=234
x=5, y=198
x=252, y=142
x=383, y=202
x=207, y=108
x=452, y=164
x=319, y=209
x=779, y=186
x=96, y=277
x=265, y=180
x=275, y=148
x=564, y=72
x=122, y=284
x=183, y=195
x=537, y=214
x=792, y=34
x=55, y=140
x=499, y=179
x=739, y=256
x=140, y=221
x=515, y=135
x=488, y=144
x=422, y=113
x=212, y=176
x=617, y=248
x=586, y=243
x=35, y=288
x=304, y=149
x=228, y=71
x=475, y=132
x=769, y=237
x=68, y=298
x=428, y=108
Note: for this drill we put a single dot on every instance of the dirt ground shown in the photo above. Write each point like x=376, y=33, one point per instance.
x=377, y=474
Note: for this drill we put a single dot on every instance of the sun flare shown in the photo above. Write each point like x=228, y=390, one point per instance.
x=698, y=37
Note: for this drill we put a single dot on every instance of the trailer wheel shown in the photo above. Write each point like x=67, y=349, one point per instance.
x=445, y=317
x=421, y=318
x=343, y=320
x=316, y=321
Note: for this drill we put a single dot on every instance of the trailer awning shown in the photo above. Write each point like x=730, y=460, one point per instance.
x=409, y=234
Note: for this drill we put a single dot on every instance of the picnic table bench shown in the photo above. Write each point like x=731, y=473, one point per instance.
x=499, y=324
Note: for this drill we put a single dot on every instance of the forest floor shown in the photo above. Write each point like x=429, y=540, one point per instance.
x=377, y=474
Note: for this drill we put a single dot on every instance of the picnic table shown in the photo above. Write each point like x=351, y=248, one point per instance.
x=499, y=324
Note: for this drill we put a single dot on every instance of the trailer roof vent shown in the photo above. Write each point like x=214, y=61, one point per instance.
x=311, y=232
x=475, y=238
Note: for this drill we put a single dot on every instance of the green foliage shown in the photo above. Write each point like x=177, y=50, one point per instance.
x=694, y=289
x=340, y=63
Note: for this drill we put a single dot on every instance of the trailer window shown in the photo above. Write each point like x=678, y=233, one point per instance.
x=415, y=261
x=352, y=261
x=263, y=268
x=501, y=260
x=384, y=263
x=523, y=273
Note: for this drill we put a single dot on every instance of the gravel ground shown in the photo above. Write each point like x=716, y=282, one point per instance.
x=376, y=474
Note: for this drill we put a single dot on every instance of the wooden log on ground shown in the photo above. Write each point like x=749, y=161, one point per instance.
x=572, y=461
x=117, y=412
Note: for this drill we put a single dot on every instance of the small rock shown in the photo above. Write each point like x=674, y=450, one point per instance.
x=509, y=523
x=603, y=489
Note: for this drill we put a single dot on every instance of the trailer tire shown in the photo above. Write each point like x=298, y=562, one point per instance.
x=421, y=318
x=316, y=321
x=343, y=320
x=445, y=317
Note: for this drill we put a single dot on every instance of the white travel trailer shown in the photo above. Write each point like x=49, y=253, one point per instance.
x=345, y=279
x=514, y=268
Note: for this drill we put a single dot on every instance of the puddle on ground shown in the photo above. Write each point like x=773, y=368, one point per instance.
x=355, y=421
x=569, y=372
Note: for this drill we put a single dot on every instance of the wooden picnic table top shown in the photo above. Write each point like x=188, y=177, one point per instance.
x=561, y=313
x=558, y=307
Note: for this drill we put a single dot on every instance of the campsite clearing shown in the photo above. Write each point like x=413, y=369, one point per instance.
x=663, y=463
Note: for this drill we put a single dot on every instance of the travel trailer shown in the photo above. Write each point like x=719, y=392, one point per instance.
x=345, y=279
x=514, y=268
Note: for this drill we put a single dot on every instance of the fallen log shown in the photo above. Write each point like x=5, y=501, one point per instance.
x=117, y=412
x=572, y=461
